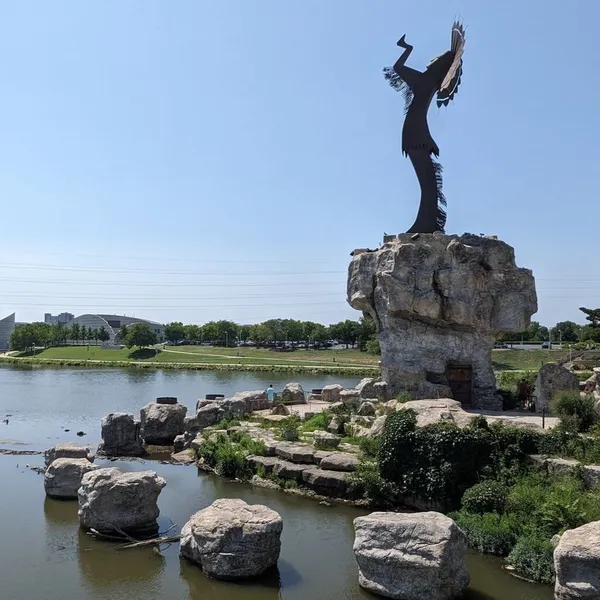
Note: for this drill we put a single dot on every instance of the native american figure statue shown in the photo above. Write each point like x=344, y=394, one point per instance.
x=442, y=77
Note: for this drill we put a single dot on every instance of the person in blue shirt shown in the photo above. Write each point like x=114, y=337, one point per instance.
x=270, y=394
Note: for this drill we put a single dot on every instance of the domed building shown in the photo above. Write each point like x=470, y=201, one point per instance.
x=112, y=324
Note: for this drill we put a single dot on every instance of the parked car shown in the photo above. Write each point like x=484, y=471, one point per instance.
x=546, y=345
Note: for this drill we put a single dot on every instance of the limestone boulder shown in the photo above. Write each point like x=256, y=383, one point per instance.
x=121, y=436
x=179, y=443
x=336, y=425
x=254, y=400
x=66, y=451
x=162, y=423
x=324, y=439
x=552, y=379
x=208, y=415
x=350, y=398
x=280, y=409
x=439, y=301
x=325, y=482
x=293, y=394
x=577, y=564
x=411, y=556
x=366, y=409
x=340, y=461
x=381, y=391
x=366, y=388
x=231, y=539
x=63, y=476
x=331, y=393
x=110, y=498
x=234, y=407
x=377, y=427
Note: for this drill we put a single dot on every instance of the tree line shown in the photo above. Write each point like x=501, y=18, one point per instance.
x=565, y=331
x=272, y=332
x=31, y=335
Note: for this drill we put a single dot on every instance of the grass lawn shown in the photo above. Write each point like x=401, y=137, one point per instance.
x=524, y=360
x=503, y=360
x=201, y=354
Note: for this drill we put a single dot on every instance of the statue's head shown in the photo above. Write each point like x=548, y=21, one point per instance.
x=441, y=63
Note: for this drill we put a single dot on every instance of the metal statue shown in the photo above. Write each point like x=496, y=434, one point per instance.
x=442, y=76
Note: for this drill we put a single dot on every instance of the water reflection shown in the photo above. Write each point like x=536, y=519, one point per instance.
x=266, y=587
x=103, y=564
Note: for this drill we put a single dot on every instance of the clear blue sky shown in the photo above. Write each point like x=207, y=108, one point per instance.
x=197, y=160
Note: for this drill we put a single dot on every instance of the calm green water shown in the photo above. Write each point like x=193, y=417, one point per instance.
x=46, y=557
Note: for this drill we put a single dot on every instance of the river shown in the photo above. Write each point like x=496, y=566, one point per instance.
x=46, y=556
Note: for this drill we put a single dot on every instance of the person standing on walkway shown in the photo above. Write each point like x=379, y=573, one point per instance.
x=270, y=394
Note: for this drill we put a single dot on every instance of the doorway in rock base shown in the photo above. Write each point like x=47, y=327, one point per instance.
x=460, y=380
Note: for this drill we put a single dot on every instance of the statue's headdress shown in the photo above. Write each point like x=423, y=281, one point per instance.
x=453, y=77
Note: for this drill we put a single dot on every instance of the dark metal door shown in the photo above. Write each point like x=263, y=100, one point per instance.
x=460, y=380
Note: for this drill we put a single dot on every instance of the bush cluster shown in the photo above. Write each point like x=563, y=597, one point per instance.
x=437, y=463
x=226, y=454
x=577, y=412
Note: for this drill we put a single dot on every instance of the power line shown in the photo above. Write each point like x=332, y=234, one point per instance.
x=170, y=283
x=178, y=306
x=159, y=272
x=27, y=294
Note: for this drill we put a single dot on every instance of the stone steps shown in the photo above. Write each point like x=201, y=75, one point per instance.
x=329, y=482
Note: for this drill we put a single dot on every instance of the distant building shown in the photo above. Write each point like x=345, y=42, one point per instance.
x=63, y=319
x=112, y=324
x=7, y=326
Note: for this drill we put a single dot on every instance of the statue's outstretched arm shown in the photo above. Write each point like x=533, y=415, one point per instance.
x=408, y=74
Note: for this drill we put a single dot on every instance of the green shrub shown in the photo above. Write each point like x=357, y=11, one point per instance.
x=369, y=446
x=485, y=497
x=231, y=461
x=228, y=457
x=366, y=482
x=577, y=412
x=438, y=463
x=532, y=557
x=489, y=532
x=319, y=422
x=403, y=397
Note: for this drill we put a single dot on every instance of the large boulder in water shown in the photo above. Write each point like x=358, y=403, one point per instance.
x=109, y=499
x=63, y=477
x=121, y=436
x=577, y=564
x=66, y=451
x=162, y=423
x=411, y=556
x=231, y=539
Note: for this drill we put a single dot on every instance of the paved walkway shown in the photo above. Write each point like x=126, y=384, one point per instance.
x=510, y=417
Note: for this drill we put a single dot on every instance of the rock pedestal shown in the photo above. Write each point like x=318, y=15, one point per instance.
x=121, y=436
x=577, y=564
x=231, y=539
x=63, y=477
x=109, y=498
x=411, y=556
x=438, y=302
x=162, y=423
x=66, y=451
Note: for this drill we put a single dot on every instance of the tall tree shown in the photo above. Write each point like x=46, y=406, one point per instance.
x=592, y=315
x=140, y=335
x=103, y=335
x=83, y=333
x=568, y=331
x=75, y=332
x=175, y=332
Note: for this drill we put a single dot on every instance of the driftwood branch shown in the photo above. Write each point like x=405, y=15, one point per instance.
x=169, y=539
